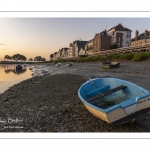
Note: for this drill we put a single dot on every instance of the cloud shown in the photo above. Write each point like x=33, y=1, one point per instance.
x=2, y=49
x=2, y=44
x=5, y=44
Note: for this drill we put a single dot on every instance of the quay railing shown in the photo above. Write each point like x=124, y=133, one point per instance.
x=124, y=50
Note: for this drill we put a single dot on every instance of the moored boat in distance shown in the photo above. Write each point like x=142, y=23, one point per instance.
x=114, y=100
x=110, y=65
x=25, y=65
x=18, y=67
x=69, y=64
x=58, y=64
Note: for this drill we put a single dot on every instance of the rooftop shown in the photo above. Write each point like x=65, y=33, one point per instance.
x=125, y=29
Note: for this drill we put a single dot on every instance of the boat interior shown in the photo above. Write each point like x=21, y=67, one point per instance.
x=107, y=92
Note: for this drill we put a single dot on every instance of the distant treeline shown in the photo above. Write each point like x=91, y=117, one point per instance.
x=19, y=57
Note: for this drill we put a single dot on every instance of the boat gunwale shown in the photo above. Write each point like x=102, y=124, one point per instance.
x=110, y=65
x=122, y=104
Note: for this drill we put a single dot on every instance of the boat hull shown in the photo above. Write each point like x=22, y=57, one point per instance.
x=110, y=65
x=58, y=64
x=119, y=116
x=121, y=112
x=69, y=64
x=18, y=67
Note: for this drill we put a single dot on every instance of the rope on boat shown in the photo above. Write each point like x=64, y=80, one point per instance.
x=94, y=87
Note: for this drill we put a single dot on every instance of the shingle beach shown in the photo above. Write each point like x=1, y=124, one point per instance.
x=49, y=102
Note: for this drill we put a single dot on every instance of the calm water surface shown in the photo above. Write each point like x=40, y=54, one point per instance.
x=9, y=76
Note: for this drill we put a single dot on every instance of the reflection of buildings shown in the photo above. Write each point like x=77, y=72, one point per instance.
x=9, y=69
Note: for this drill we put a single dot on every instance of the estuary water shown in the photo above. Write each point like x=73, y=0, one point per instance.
x=9, y=76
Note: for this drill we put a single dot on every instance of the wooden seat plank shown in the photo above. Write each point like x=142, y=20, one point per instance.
x=106, y=93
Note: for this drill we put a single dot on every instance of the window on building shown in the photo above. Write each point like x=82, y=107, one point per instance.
x=113, y=39
x=113, y=33
x=128, y=34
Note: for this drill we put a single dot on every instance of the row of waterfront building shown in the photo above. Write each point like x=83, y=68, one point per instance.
x=116, y=37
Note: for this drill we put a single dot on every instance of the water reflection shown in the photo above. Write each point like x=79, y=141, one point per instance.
x=9, y=75
x=16, y=71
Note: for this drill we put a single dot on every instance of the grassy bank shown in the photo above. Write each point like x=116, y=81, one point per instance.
x=117, y=57
x=63, y=60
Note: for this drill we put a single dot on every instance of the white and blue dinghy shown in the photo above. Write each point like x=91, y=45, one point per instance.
x=114, y=100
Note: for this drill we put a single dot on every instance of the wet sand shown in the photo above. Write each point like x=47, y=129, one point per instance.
x=136, y=72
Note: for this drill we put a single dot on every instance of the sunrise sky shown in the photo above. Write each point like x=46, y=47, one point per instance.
x=43, y=36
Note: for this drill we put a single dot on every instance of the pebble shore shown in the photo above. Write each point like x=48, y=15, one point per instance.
x=50, y=102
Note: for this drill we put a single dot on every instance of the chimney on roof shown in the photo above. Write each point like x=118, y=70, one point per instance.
x=136, y=35
x=146, y=33
x=105, y=33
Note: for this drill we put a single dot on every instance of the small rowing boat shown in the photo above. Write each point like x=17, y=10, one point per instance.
x=110, y=65
x=114, y=100
x=18, y=67
x=69, y=64
x=58, y=64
